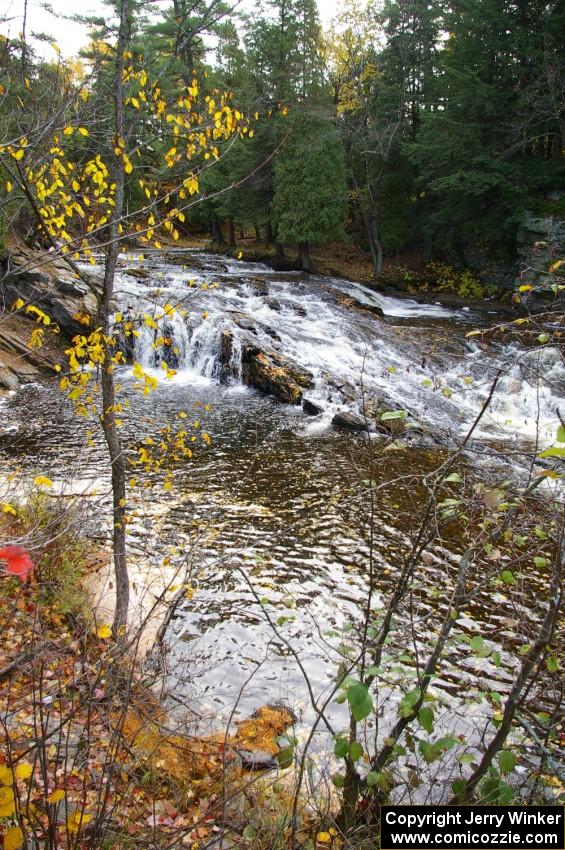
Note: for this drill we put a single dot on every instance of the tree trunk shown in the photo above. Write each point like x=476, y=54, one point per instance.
x=280, y=251
x=231, y=232
x=270, y=235
x=217, y=236
x=257, y=233
x=107, y=416
x=304, y=257
x=371, y=227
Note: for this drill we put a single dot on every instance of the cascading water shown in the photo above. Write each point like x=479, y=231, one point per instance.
x=417, y=357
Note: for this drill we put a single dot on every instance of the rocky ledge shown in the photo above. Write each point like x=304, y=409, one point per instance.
x=48, y=284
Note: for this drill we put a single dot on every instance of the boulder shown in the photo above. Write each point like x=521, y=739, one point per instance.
x=350, y=421
x=311, y=408
x=274, y=374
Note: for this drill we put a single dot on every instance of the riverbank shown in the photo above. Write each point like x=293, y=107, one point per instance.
x=90, y=755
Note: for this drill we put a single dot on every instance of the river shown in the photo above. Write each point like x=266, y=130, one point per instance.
x=271, y=521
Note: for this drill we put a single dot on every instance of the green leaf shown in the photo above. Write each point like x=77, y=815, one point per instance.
x=249, y=832
x=426, y=719
x=459, y=786
x=540, y=562
x=393, y=414
x=341, y=747
x=561, y=434
x=496, y=659
x=285, y=757
x=506, y=761
x=477, y=643
x=382, y=780
x=454, y=477
x=360, y=701
x=408, y=701
x=355, y=751
x=552, y=664
x=447, y=392
x=338, y=780
x=554, y=451
x=507, y=577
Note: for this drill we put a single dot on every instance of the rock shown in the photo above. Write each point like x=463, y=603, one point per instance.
x=8, y=380
x=540, y=242
x=350, y=421
x=257, y=760
x=258, y=285
x=225, y=370
x=272, y=373
x=354, y=304
x=51, y=286
x=310, y=408
x=273, y=303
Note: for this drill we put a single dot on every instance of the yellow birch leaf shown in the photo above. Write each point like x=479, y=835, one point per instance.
x=56, y=796
x=24, y=770
x=104, y=631
x=13, y=838
x=42, y=481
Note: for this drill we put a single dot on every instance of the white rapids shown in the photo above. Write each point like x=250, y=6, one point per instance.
x=417, y=355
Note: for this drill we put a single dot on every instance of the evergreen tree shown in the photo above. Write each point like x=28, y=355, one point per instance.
x=309, y=203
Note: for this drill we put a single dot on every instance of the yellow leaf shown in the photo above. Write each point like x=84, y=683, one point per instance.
x=239, y=255
x=83, y=131
x=323, y=838
x=24, y=770
x=104, y=631
x=527, y=287
x=8, y=509
x=42, y=481
x=77, y=820
x=17, y=305
x=7, y=802
x=68, y=131
x=552, y=268
x=56, y=796
x=6, y=775
x=8, y=186
x=13, y=838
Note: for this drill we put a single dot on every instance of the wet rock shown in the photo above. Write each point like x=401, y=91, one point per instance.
x=352, y=303
x=258, y=286
x=273, y=303
x=225, y=357
x=350, y=421
x=300, y=311
x=274, y=374
x=169, y=351
x=311, y=408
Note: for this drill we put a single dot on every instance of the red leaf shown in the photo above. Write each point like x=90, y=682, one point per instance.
x=18, y=561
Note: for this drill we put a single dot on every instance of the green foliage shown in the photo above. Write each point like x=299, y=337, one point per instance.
x=309, y=203
x=360, y=701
